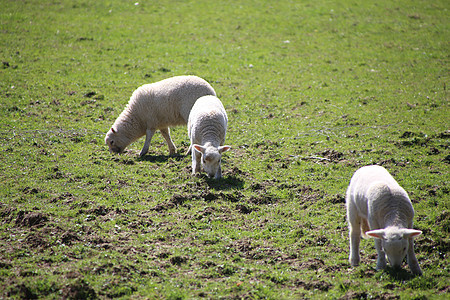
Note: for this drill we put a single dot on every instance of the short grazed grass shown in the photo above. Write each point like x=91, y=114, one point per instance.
x=313, y=90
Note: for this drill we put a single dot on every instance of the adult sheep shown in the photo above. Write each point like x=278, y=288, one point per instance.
x=207, y=127
x=156, y=106
x=379, y=206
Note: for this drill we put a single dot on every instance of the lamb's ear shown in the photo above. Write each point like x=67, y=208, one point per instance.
x=223, y=149
x=377, y=233
x=408, y=233
x=199, y=148
x=113, y=130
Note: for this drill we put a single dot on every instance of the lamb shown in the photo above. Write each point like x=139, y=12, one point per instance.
x=380, y=207
x=207, y=128
x=156, y=106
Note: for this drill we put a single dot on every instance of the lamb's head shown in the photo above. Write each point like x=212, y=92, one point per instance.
x=395, y=242
x=116, y=142
x=211, y=157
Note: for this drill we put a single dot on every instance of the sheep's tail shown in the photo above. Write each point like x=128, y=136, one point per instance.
x=364, y=228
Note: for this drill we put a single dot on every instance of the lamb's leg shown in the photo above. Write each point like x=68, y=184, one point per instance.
x=166, y=134
x=355, y=238
x=354, y=227
x=412, y=260
x=148, y=138
x=218, y=173
x=381, y=261
x=195, y=161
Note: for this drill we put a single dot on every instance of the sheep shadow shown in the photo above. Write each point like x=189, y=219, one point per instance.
x=398, y=274
x=229, y=182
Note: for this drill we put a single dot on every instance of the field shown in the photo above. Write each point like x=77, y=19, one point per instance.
x=313, y=90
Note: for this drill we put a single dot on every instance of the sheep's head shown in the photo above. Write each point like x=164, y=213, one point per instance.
x=395, y=242
x=211, y=157
x=115, y=141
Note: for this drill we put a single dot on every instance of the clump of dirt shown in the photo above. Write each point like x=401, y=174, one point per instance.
x=68, y=237
x=244, y=209
x=175, y=201
x=178, y=199
x=446, y=159
x=331, y=155
x=68, y=197
x=30, y=219
x=409, y=134
x=262, y=199
x=314, y=285
x=338, y=198
x=79, y=290
x=232, y=197
x=22, y=292
x=36, y=241
x=312, y=264
x=242, y=246
x=235, y=171
x=29, y=190
x=178, y=260
x=7, y=214
x=99, y=211
x=354, y=295
x=305, y=194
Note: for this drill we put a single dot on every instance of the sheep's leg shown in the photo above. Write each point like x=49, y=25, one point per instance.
x=166, y=134
x=148, y=138
x=381, y=261
x=195, y=161
x=355, y=238
x=218, y=173
x=354, y=226
x=412, y=260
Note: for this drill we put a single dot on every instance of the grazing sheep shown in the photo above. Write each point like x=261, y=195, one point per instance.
x=156, y=106
x=207, y=127
x=379, y=206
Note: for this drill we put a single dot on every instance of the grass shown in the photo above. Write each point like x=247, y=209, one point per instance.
x=313, y=89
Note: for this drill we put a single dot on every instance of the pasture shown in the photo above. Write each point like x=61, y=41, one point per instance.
x=313, y=91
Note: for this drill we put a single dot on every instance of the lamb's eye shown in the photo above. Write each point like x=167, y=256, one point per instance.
x=112, y=143
x=404, y=249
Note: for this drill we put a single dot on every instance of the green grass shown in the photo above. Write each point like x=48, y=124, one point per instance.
x=313, y=89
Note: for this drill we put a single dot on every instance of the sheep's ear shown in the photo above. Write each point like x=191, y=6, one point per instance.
x=408, y=233
x=199, y=148
x=378, y=234
x=224, y=149
x=113, y=130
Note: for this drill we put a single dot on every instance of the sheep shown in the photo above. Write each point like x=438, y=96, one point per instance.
x=381, y=208
x=156, y=106
x=207, y=126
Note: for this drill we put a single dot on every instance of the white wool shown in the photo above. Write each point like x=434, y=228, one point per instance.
x=156, y=106
x=376, y=202
x=207, y=127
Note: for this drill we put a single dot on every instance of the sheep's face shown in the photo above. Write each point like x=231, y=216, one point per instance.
x=395, y=248
x=211, y=163
x=211, y=158
x=114, y=141
x=395, y=242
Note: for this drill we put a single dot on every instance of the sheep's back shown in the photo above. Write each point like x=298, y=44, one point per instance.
x=376, y=193
x=168, y=102
x=207, y=120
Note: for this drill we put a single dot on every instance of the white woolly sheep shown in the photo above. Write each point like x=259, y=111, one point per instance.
x=207, y=127
x=156, y=106
x=380, y=207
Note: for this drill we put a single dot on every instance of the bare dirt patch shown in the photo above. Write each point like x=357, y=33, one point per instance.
x=31, y=219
